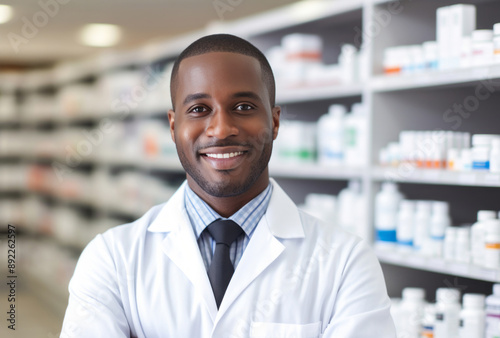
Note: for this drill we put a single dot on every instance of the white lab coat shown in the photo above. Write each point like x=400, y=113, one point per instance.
x=298, y=277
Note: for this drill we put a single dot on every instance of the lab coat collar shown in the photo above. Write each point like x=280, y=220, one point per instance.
x=171, y=215
x=282, y=215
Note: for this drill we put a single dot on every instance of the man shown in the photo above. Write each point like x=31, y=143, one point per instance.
x=271, y=271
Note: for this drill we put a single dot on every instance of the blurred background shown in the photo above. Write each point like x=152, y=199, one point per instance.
x=389, y=129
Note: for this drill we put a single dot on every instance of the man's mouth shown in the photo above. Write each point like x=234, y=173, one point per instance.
x=224, y=158
x=224, y=155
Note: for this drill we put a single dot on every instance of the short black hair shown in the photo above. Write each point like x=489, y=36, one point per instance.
x=225, y=43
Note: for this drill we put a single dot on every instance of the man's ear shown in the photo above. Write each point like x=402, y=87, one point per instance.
x=276, y=112
x=171, y=120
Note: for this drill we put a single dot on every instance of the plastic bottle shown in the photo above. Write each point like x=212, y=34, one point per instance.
x=431, y=55
x=492, y=244
x=322, y=206
x=450, y=244
x=396, y=313
x=466, y=52
x=405, y=226
x=496, y=42
x=392, y=60
x=493, y=313
x=478, y=235
x=411, y=311
x=356, y=136
x=453, y=159
x=386, y=210
x=495, y=153
x=481, y=151
x=462, y=248
x=331, y=136
x=440, y=221
x=302, y=51
x=482, y=47
x=422, y=221
x=347, y=63
x=466, y=159
x=447, y=313
x=428, y=321
x=472, y=316
x=348, y=200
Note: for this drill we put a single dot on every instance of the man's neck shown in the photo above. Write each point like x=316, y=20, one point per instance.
x=227, y=206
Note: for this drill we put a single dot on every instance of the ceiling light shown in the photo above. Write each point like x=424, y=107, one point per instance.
x=100, y=35
x=306, y=10
x=5, y=13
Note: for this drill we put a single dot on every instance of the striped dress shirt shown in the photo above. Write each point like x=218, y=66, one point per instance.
x=201, y=215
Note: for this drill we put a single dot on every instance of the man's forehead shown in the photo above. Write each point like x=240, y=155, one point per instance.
x=219, y=60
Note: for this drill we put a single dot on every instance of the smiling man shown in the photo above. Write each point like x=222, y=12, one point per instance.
x=229, y=255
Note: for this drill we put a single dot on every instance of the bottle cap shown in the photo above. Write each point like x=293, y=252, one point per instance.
x=413, y=294
x=496, y=29
x=482, y=35
x=483, y=215
x=298, y=42
x=389, y=186
x=337, y=110
x=447, y=295
x=473, y=300
x=440, y=207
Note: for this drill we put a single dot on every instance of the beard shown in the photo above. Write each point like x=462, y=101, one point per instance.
x=228, y=188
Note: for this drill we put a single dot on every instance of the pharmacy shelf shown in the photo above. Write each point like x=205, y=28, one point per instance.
x=158, y=164
x=314, y=93
x=314, y=171
x=33, y=231
x=289, y=16
x=438, y=265
x=437, y=176
x=65, y=121
x=451, y=78
x=90, y=204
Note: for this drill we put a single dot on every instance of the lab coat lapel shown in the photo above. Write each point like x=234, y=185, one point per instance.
x=181, y=247
x=282, y=220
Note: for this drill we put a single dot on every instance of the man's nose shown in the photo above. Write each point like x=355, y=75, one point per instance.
x=222, y=125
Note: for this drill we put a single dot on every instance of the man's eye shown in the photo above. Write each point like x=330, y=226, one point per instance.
x=198, y=110
x=244, y=107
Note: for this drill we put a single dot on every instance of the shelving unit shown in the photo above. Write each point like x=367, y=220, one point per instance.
x=438, y=176
x=438, y=265
x=394, y=103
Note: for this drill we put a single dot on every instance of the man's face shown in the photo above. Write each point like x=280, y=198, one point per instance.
x=223, y=125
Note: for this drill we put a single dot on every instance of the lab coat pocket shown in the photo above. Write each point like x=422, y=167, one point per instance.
x=280, y=330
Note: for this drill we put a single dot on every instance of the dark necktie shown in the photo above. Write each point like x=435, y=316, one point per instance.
x=224, y=232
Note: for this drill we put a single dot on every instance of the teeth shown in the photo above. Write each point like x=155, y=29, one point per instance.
x=226, y=155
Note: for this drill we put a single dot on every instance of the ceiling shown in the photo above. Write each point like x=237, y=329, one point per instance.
x=143, y=21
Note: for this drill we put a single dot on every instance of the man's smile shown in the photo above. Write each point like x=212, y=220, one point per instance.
x=224, y=158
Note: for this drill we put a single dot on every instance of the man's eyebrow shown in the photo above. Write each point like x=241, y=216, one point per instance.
x=250, y=95
x=196, y=96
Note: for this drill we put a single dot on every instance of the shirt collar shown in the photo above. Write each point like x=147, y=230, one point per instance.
x=201, y=214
